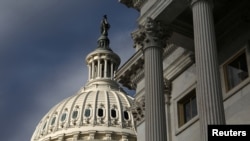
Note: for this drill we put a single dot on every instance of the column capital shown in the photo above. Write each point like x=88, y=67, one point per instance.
x=152, y=33
x=192, y=2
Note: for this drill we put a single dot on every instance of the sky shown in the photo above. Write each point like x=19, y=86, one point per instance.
x=43, y=45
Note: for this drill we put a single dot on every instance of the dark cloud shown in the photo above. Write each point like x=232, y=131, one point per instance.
x=43, y=45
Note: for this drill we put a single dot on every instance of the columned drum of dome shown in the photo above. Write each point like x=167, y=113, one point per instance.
x=99, y=110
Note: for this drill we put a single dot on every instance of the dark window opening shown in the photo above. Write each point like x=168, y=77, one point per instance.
x=100, y=112
x=187, y=108
x=126, y=116
x=236, y=71
x=113, y=113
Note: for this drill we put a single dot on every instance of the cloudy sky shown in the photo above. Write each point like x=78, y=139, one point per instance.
x=43, y=45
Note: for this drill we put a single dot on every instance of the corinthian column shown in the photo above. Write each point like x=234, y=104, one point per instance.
x=153, y=39
x=210, y=102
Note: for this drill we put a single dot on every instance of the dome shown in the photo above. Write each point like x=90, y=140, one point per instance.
x=99, y=110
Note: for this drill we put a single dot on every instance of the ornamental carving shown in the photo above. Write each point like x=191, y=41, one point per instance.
x=167, y=90
x=138, y=109
x=138, y=36
x=153, y=32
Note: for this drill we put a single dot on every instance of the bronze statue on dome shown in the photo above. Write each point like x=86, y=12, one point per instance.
x=104, y=25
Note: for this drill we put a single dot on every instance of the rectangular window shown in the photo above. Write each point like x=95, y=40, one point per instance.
x=236, y=70
x=187, y=108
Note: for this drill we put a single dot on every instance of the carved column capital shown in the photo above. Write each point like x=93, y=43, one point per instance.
x=138, y=36
x=156, y=33
x=152, y=33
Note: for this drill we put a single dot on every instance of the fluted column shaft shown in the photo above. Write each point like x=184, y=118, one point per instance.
x=155, y=119
x=152, y=37
x=209, y=95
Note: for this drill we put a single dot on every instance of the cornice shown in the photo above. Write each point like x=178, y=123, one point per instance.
x=136, y=4
x=179, y=65
x=169, y=49
x=130, y=69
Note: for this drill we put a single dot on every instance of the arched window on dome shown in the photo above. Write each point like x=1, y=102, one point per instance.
x=63, y=117
x=100, y=112
x=87, y=112
x=75, y=114
x=113, y=113
x=53, y=121
x=126, y=115
x=44, y=125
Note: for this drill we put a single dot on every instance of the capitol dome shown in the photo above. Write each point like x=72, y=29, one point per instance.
x=99, y=110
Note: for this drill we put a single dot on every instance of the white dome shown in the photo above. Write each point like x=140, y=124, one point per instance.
x=97, y=112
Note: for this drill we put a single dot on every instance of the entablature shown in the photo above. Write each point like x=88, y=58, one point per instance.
x=131, y=69
x=137, y=4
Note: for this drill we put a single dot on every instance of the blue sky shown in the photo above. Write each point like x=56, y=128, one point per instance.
x=43, y=45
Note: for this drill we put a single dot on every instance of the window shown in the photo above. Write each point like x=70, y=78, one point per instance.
x=100, y=112
x=63, y=117
x=87, y=113
x=126, y=116
x=235, y=71
x=187, y=108
x=75, y=114
x=53, y=121
x=113, y=113
x=44, y=126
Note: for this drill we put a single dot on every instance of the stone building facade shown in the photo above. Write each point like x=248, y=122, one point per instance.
x=190, y=68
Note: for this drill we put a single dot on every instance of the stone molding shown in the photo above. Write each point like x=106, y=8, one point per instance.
x=167, y=90
x=130, y=73
x=179, y=65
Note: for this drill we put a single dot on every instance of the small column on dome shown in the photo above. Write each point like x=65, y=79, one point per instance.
x=89, y=68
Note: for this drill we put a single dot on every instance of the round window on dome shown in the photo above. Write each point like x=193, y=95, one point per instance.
x=75, y=114
x=87, y=112
x=53, y=121
x=63, y=117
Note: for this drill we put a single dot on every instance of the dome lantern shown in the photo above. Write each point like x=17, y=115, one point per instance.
x=102, y=62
